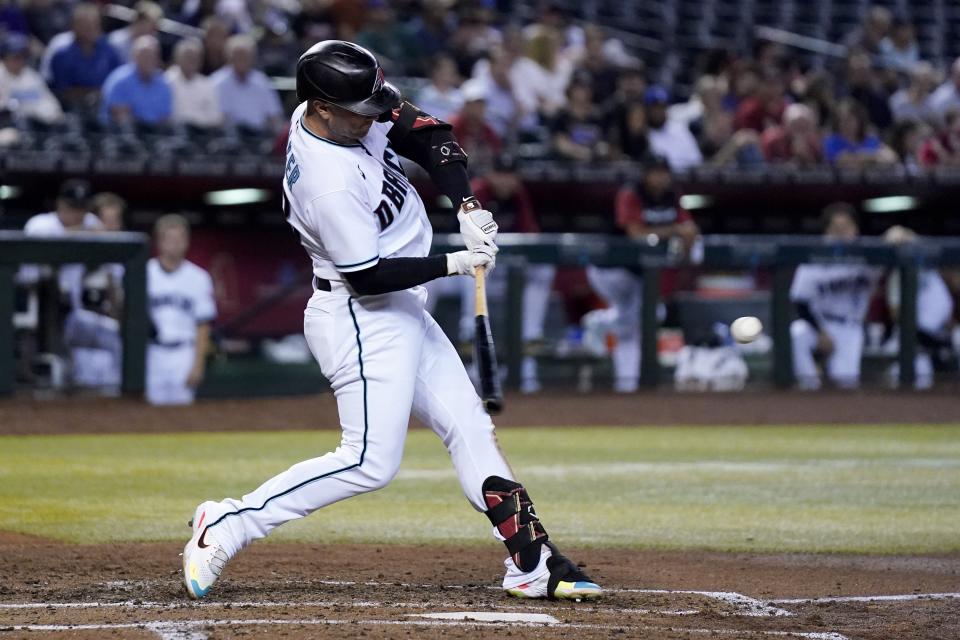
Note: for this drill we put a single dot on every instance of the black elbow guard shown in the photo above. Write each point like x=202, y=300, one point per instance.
x=423, y=138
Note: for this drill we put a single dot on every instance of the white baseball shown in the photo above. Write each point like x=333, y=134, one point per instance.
x=746, y=329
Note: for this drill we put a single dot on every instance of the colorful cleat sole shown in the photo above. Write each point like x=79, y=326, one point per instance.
x=577, y=591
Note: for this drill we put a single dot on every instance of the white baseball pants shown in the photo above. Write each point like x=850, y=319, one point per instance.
x=843, y=364
x=622, y=290
x=167, y=371
x=384, y=356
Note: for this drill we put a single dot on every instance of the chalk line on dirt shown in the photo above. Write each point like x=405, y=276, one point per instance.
x=906, y=597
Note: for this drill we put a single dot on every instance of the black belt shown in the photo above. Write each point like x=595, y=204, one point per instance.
x=172, y=345
x=321, y=284
x=838, y=319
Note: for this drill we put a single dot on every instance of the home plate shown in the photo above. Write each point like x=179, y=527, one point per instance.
x=489, y=616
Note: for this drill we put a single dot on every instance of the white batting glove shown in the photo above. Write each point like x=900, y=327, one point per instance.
x=477, y=225
x=464, y=263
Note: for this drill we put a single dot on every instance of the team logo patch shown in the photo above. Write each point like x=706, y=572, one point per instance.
x=378, y=81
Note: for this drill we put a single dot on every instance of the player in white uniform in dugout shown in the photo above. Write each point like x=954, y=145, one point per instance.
x=831, y=301
x=367, y=234
x=180, y=297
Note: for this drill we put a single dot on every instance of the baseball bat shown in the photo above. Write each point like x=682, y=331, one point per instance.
x=484, y=351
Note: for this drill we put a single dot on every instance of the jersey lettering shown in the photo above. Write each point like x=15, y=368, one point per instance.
x=183, y=303
x=394, y=188
x=384, y=214
x=392, y=161
x=844, y=285
x=292, y=169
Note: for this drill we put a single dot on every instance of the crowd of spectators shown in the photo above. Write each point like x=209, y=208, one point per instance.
x=553, y=87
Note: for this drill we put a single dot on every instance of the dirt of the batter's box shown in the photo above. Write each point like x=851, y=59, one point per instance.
x=338, y=590
x=121, y=415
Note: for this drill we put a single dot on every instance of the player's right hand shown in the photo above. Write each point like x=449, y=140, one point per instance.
x=464, y=263
x=824, y=343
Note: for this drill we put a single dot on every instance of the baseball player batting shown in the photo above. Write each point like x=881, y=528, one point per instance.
x=367, y=233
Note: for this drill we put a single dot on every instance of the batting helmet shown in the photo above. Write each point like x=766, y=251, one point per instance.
x=346, y=75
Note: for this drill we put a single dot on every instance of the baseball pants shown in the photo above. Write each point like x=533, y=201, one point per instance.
x=843, y=363
x=622, y=290
x=385, y=357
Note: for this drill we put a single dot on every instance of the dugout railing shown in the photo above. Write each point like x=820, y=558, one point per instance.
x=129, y=249
x=778, y=253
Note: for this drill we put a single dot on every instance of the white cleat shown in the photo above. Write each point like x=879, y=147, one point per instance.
x=563, y=581
x=203, y=559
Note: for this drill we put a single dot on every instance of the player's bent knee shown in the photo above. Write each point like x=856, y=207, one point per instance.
x=800, y=329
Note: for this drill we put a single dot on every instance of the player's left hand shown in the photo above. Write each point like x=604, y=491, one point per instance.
x=477, y=226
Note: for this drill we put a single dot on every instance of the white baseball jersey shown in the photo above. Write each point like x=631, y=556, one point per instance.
x=179, y=301
x=835, y=292
x=48, y=225
x=351, y=204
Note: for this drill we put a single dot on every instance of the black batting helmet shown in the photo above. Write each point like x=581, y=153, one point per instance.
x=346, y=75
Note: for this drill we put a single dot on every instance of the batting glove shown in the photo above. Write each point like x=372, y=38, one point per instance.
x=477, y=226
x=464, y=263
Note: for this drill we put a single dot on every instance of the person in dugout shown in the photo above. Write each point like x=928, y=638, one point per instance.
x=649, y=211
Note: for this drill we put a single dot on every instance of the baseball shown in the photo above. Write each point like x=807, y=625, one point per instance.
x=746, y=329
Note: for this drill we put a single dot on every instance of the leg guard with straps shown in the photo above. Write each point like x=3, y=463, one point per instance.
x=511, y=511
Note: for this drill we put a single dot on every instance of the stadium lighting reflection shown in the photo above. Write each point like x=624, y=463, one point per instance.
x=695, y=201
x=9, y=192
x=231, y=197
x=889, y=204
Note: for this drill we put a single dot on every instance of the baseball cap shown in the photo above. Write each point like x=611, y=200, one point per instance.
x=76, y=193
x=655, y=94
x=473, y=90
x=16, y=43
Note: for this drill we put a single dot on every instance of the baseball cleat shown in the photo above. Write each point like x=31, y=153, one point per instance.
x=565, y=581
x=203, y=557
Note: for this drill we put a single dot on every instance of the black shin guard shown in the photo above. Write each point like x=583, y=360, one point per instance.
x=510, y=510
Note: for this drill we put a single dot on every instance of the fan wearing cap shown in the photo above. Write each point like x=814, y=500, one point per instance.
x=22, y=90
x=669, y=139
x=367, y=234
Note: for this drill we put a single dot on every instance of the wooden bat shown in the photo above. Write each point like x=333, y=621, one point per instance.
x=484, y=352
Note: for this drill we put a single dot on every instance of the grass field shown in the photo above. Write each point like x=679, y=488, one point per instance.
x=843, y=488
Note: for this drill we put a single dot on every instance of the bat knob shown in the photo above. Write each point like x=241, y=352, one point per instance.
x=493, y=406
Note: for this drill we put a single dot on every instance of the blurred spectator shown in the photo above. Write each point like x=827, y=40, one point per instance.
x=631, y=85
x=148, y=17
x=851, y=145
x=46, y=18
x=505, y=113
x=547, y=78
x=22, y=90
x=899, y=50
x=313, y=23
x=470, y=126
x=386, y=38
x=721, y=146
x=797, y=141
x=670, y=140
x=195, y=99
x=473, y=38
x=138, y=91
x=110, y=208
x=868, y=36
x=594, y=61
x=768, y=56
x=707, y=98
x=819, y=94
x=947, y=95
x=906, y=140
x=651, y=208
x=912, y=101
x=943, y=148
x=764, y=106
x=441, y=97
x=864, y=85
x=215, y=35
x=79, y=69
x=577, y=130
x=431, y=29
x=182, y=307
x=12, y=18
x=629, y=137
x=247, y=97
